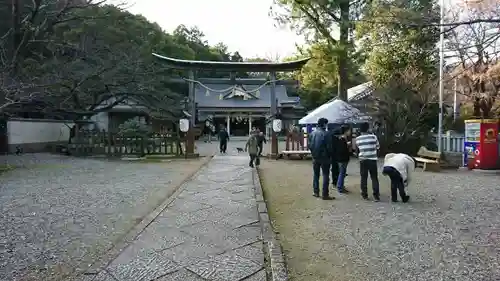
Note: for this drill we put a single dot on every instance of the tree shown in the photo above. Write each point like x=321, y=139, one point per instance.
x=475, y=48
x=325, y=19
x=401, y=62
x=24, y=34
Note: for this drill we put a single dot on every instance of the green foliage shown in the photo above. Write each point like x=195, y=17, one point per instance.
x=134, y=128
x=319, y=77
x=393, y=39
x=97, y=53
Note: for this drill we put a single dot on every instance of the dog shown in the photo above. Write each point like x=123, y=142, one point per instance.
x=239, y=149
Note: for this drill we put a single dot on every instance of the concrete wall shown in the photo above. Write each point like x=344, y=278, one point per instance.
x=35, y=135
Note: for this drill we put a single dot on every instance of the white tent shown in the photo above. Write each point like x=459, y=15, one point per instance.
x=337, y=112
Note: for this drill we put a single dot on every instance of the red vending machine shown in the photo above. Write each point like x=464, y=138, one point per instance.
x=481, y=143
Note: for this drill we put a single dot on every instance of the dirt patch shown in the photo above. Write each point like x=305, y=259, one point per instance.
x=436, y=236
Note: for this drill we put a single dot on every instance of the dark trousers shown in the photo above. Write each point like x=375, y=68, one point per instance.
x=335, y=172
x=261, y=147
x=324, y=168
x=397, y=183
x=369, y=167
x=223, y=146
x=254, y=158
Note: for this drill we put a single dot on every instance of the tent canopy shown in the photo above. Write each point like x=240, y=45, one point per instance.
x=337, y=112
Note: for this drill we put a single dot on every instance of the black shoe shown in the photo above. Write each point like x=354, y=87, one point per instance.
x=395, y=200
x=376, y=198
x=406, y=199
x=328, y=198
x=344, y=191
x=316, y=195
x=365, y=198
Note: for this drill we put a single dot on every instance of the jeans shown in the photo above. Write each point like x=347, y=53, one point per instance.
x=223, y=146
x=324, y=167
x=335, y=172
x=396, y=183
x=369, y=167
x=254, y=158
x=342, y=173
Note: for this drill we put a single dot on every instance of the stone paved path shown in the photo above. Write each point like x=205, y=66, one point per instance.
x=210, y=231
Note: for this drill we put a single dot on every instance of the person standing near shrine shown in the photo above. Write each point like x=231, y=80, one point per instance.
x=223, y=139
x=321, y=150
x=367, y=146
x=343, y=156
x=262, y=140
x=252, y=146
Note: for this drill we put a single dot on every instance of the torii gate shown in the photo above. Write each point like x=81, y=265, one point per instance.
x=232, y=68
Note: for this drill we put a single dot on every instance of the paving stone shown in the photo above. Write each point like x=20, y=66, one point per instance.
x=253, y=252
x=144, y=265
x=181, y=275
x=104, y=276
x=259, y=276
x=225, y=267
x=157, y=237
x=185, y=205
x=192, y=251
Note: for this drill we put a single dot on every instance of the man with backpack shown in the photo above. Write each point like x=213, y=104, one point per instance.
x=321, y=150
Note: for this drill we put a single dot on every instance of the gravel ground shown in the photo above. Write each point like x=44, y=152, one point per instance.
x=59, y=213
x=449, y=231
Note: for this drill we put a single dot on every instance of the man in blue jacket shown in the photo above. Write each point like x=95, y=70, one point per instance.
x=321, y=151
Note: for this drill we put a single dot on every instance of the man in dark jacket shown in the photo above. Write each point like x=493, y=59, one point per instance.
x=321, y=150
x=343, y=155
x=223, y=139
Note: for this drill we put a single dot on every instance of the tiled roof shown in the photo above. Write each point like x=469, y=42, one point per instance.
x=262, y=99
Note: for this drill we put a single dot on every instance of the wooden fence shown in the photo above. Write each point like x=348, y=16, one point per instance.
x=89, y=143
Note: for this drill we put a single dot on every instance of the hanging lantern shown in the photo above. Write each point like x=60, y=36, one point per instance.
x=207, y=93
x=257, y=93
x=245, y=97
x=221, y=96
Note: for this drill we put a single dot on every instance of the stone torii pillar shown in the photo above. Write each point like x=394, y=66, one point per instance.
x=274, y=112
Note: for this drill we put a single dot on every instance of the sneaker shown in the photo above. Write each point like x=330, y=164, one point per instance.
x=394, y=200
x=366, y=198
x=376, y=198
x=343, y=190
x=316, y=195
x=328, y=198
x=406, y=199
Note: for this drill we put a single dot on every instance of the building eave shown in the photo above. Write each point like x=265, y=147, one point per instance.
x=233, y=66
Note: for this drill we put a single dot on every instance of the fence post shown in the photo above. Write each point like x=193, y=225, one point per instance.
x=448, y=141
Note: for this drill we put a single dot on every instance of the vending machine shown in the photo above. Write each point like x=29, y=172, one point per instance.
x=481, y=147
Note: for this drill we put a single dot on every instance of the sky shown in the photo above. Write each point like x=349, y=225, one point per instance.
x=243, y=25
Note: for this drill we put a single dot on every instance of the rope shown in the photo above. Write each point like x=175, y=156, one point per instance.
x=232, y=88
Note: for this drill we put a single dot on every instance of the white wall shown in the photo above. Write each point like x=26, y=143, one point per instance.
x=23, y=131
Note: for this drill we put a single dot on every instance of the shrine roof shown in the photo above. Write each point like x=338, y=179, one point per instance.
x=233, y=66
x=244, y=98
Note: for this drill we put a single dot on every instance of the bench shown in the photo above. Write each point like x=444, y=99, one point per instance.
x=299, y=153
x=431, y=160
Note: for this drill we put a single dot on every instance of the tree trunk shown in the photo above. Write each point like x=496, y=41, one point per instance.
x=342, y=54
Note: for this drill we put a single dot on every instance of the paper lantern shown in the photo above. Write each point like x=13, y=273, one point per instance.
x=184, y=125
x=207, y=93
x=257, y=93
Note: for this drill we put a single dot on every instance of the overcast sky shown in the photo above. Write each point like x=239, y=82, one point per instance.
x=243, y=25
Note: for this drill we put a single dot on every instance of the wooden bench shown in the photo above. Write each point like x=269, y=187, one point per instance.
x=431, y=160
x=300, y=153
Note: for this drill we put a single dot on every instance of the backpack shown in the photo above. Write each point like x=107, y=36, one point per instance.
x=319, y=145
